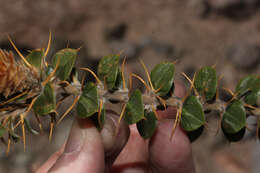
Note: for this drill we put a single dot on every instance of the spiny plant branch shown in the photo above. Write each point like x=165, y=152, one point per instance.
x=42, y=87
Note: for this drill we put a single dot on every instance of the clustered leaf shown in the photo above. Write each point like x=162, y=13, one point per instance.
x=134, y=108
x=206, y=82
x=162, y=77
x=147, y=126
x=108, y=71
x=46, y=102
x=2, y=131
x=234, y=121
x=192, y=114
x=234, y=118
x=35, y=58
x=249, y=83
x=249, y=89
x=99, y=122
x=65, y=59
x=88, y=103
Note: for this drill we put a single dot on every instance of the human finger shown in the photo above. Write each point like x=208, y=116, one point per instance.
x=170, y=155
x=51, y=160
x=86, y=147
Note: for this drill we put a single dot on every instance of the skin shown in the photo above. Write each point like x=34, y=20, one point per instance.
x=88, y=150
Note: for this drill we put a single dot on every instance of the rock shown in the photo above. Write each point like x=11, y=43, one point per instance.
x=162, y=48
x=200, y=8
x=235, y=9
x=244, y=54
x=116, y=33
x=221, y=4
x=218, y=4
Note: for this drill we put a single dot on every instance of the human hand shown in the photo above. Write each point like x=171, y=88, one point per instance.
x=88, y=150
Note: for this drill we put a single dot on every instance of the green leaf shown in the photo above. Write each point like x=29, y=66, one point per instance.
x=234, y=118
x=35, y=58
x=162, y=77
x=88, y=103
x=234, y=137
x=29, y=127
x=102, y=119
x=2, y=130
x=249, y=83
x=134, y=108
x=250, y=88
x=146, y=127
x=252, y=97
x=192, y=114
x=206, y=82
x=46, y=102
x=15, y=137
x=119, y=81
x=66, y=58
x=108, y=70
x=98, y=124
x=194, y=135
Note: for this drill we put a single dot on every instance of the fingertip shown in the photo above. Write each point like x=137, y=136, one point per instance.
x=113, y=140
x=51, y=160
x=170, y=155
x=84, y=145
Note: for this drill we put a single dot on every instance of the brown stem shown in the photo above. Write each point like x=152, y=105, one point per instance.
x=218, y=106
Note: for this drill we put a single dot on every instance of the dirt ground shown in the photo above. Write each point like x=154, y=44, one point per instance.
x=193, y=32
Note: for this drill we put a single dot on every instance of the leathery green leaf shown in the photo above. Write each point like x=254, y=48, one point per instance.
x=249, y=83
x=2, y=130
x=252, y=97
x=234, y=118
x=206, y=82
x=162, y=77
x=119, y=81
x=192, y=114
x=66, y=58
x=146, y=127
x=15, y=137
x=35, y=58
x=99, y=124
x=88, y=103
x=108, y=70
x=46, y=102
x=29, y=127
x=134, y=108
x=102, y=119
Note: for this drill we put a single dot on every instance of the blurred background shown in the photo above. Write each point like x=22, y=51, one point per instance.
x=192, y=32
